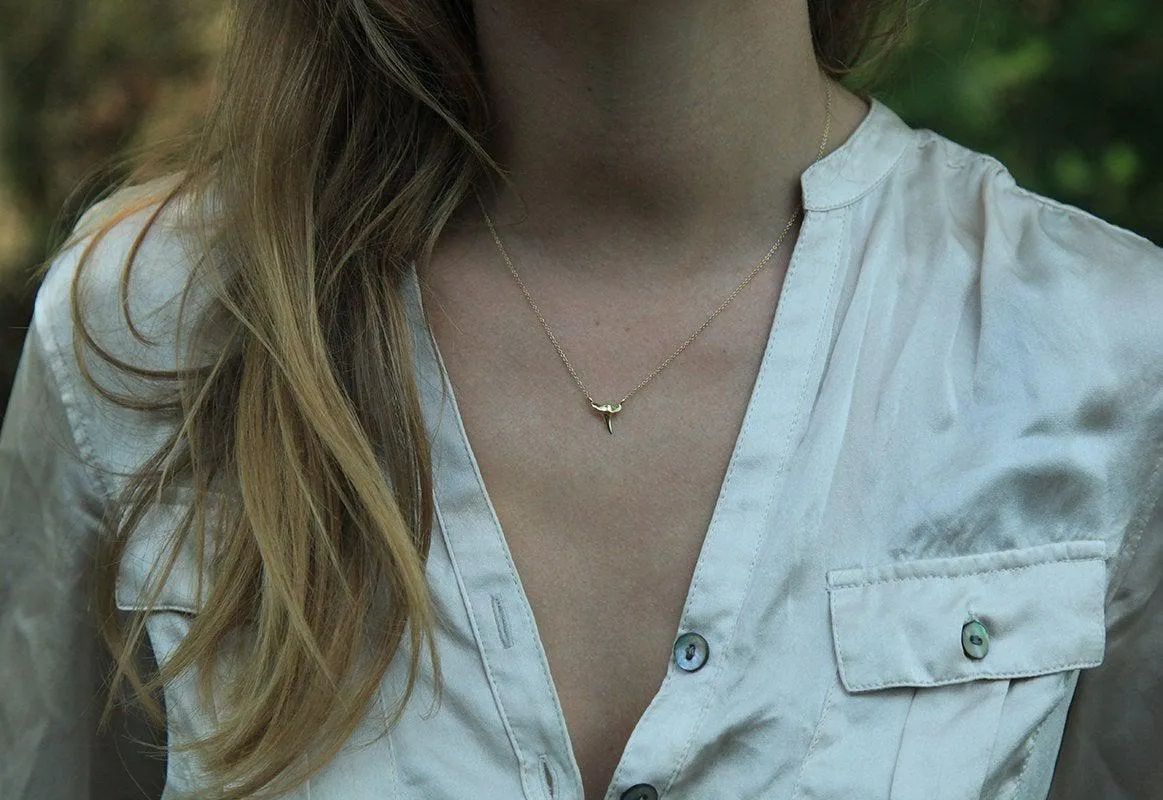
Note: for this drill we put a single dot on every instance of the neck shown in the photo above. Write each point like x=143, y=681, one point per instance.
x=680, y=121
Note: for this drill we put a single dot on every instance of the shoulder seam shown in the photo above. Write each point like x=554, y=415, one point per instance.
x=966, y=155
x=1049, y=202
x=1075, y=211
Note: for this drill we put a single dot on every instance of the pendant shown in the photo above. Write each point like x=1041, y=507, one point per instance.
x=608, y=410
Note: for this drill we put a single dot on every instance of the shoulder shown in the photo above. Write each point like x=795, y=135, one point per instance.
x=119, y=283
x=1062, y=312
x=1037, y=235
x=122, y=272
x=1053, y=275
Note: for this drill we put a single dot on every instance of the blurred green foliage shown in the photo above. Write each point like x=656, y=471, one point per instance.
x=82, y=81
x=1066, y=93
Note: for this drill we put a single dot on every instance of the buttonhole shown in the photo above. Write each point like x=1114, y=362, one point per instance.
x=547, y=774
x=502, y=622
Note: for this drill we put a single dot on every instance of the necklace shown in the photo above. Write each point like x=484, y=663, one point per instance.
x=609, y=410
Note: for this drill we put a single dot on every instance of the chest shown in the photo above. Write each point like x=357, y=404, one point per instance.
x=848, y=546
x=605, y=530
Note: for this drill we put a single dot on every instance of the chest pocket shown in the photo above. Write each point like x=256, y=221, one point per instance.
x=929, y=654
x=168, y=617
x=144, y=557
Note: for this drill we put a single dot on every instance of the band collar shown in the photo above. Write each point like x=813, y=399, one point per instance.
x=860, y=163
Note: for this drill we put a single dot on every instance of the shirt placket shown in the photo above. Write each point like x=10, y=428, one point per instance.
x=501, y=616
x=502, y=619
x=791, y=369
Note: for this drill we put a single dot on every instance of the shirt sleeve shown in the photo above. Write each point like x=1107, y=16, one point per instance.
x=1112, y=746
x=51, y=660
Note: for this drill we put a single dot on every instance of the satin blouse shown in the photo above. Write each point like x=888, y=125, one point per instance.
x=934, y=569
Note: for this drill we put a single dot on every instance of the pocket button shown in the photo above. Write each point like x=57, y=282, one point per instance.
x=975, y=639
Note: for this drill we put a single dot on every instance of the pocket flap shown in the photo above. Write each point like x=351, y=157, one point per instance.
x=900, y=624
x=146, y=553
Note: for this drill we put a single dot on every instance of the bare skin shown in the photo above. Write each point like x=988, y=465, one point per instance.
x=658, y=146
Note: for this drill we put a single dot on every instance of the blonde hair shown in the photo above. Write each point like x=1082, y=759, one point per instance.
x=342, y=137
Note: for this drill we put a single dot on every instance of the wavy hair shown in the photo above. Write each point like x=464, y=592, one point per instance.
x=342, y=136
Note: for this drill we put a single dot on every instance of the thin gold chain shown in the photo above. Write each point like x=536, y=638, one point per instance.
x=743, y=284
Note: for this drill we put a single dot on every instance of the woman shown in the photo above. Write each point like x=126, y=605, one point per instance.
x=821, y=459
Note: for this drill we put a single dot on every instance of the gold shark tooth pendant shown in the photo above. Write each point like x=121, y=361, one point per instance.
x=608, y=410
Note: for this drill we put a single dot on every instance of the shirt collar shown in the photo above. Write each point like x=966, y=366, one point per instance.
x=860, y=163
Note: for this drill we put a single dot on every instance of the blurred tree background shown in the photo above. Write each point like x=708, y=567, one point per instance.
x=83, y=81
x=1067, y=93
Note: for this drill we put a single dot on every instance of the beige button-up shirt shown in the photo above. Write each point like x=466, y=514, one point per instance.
x=935, y=568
